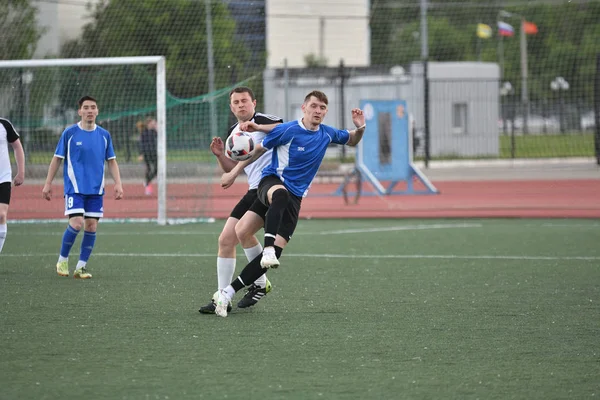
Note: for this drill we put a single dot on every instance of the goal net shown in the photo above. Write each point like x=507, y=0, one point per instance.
x=40, y=98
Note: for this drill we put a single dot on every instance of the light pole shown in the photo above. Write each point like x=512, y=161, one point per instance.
x=27, y=79
x=505, y=90
x=560, y=85
x=524, y=69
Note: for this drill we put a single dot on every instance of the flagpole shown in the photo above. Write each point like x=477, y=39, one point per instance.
x=501, y=55
x=524, y=76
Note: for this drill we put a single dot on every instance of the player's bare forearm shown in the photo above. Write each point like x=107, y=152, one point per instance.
x=53, y=169
x=20, y=159
x=356, y=136
x=113, y=167
x=226, y=163
x=359, y=121
x=255, y=155
x=267, y=128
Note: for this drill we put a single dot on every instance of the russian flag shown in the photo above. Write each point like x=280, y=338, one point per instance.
x=505, y=29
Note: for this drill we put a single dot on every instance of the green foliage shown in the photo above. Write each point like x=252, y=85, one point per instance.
x=19, y=32
x=175, y=29
x=566, y=44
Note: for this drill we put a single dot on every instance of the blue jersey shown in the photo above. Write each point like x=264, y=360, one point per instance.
x=84, y=153
x=298, y=153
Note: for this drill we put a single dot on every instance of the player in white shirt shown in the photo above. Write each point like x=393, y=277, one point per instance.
x=243, y=107
x=85, y=147
x=8, y=134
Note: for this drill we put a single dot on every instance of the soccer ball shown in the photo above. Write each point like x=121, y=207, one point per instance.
x=239, y=145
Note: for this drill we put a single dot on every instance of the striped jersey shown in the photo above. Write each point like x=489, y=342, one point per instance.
x=254, y=170
x=84, y=153
x=8, y=134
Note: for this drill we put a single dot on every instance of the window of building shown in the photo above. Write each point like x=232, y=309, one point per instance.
x=459, y=118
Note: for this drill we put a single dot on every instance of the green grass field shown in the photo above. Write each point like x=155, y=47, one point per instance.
x=361, y=309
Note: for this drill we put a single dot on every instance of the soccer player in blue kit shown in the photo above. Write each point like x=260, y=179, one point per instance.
x=85, y=147
x=298, y=150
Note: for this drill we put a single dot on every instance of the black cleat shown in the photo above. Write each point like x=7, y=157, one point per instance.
x=210, y=308
x=254, y=294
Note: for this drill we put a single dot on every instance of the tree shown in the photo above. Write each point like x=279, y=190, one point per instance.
x=18, y=30
x=173, y=28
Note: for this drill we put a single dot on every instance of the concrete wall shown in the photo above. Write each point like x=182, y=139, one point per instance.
x=333, y=29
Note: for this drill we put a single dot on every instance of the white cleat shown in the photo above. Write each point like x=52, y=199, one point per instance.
x=269, y=259
x=221, y=304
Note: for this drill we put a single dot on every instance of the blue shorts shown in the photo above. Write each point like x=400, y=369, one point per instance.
x=90, y=205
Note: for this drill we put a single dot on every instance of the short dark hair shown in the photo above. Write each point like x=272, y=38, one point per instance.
x=319, y=95
x=242, y=89
x=85, y=98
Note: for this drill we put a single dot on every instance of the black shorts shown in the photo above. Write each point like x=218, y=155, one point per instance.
x=289, y=220
x=5, y=188
x=249, y=202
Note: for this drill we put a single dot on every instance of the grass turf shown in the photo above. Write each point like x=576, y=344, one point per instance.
x=360, y=309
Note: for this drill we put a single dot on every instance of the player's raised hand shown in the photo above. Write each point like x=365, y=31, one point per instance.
x=227, y=179
x=358, y=117
x=248, y=126
x=47, y=192
x=118, y=189
x=217, y=146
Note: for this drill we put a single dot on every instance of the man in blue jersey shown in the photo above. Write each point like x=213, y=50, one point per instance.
x=298, y=150
x=85, y=147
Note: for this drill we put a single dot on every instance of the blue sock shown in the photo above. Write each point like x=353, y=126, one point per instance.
x=87, y=245
x=67, y=241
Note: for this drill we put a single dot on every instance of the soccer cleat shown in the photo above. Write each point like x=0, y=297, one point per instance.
x=269, y=259
x=81, y=273
x=254, y=294
x=62, y=268
x=222, y=304
x=210, y=308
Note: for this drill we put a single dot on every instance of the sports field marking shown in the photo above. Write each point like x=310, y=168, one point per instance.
x=398, y=228
x=350, y=256
x=335, y=232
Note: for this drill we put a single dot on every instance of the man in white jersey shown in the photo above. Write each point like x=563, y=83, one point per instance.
x=8, y=134
x=85, y=147
x=243, y=107
x=298, y=150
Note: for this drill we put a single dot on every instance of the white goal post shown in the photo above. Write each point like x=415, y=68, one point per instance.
x=161, y=110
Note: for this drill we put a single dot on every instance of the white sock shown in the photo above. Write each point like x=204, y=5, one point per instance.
x=225, y=271
x=80, y=264
x=61, y=258
x=229, y=291
x=3, y=230
x=253, y=252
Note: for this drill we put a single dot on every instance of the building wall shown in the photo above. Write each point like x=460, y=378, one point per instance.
x=332, y=29
x=476, y=87
x=62, y=21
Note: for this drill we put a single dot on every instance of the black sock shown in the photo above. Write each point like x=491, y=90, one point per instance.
x=251, y=272
x=273, y=218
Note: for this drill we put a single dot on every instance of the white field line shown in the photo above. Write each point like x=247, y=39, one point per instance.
x=346, y=256
x=398, y=228
x=336, y=232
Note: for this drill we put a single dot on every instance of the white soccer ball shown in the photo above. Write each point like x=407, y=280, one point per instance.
x=239, y=145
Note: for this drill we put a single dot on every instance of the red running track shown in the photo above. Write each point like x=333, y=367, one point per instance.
x=465, y=199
